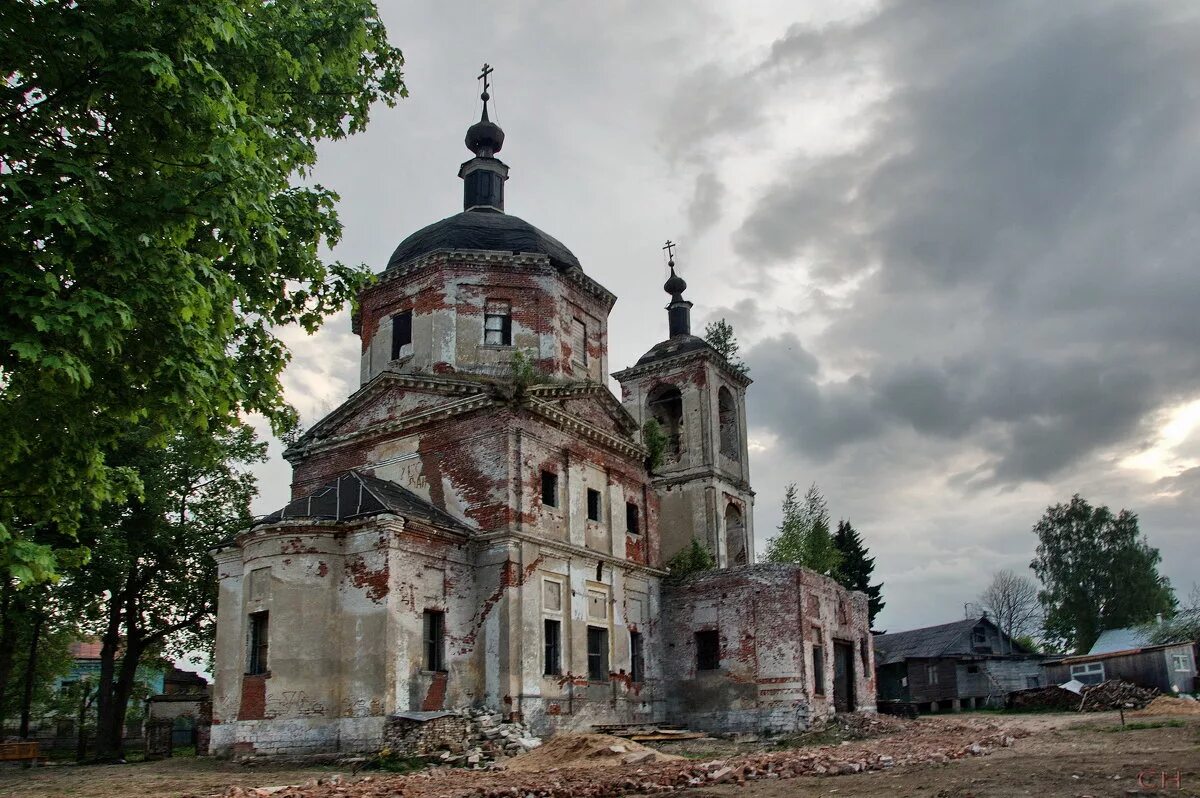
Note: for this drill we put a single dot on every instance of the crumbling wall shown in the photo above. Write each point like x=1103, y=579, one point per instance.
x=769, y=620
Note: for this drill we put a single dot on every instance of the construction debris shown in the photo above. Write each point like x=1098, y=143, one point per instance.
x=1170, y=705
x=586, y=750
x=1044, y=698
x=1116, y=694
x=921, y=745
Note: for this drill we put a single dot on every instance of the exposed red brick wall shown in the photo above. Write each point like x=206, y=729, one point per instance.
x=253, y=705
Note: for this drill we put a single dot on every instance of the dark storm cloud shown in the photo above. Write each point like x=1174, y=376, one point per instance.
x=1028, y=194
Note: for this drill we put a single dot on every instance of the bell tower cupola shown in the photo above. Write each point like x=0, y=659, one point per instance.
x=484, y=175
x=679, y=310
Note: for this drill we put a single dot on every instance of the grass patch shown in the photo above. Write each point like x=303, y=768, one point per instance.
x=1140, y=725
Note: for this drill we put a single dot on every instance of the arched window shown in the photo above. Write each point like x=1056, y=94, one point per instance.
x=666, y=406
x=735, y=535
x=731, y=444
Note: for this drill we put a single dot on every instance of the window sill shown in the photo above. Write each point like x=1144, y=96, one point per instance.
x=497, y=347
x=263, y=675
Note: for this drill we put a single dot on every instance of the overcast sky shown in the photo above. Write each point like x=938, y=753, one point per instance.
x=957, y=241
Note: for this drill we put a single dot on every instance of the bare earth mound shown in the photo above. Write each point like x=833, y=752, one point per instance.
x=1169, y=705
x=585, y=751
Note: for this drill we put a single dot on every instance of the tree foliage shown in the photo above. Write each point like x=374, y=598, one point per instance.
x=150, y=587
x=1183, y=626
x=856, y=568
x=155, y=226
x=655, y=441
x=692, y=559
x=804, y=536
x=1012, y=602
x=719, y=335
x=1097, y=572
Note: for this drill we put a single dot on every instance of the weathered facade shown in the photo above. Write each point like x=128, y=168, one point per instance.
x=960, y=665
x=1128, y=654
x=476, y=525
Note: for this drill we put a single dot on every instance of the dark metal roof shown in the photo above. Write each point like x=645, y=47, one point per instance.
x=354, y=495
x=483, y=229
x=945, y=640
x=671, y=347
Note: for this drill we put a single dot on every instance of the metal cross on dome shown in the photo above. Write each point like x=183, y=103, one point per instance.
x=670, y=248
x=483, y=75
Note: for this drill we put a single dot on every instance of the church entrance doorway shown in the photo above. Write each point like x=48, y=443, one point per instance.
x=843, y=676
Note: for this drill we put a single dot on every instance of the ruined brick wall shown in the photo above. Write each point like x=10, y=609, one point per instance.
x=769, y=620
x=413, y=738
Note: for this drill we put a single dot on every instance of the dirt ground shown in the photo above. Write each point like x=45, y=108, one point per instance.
x=1066, y=756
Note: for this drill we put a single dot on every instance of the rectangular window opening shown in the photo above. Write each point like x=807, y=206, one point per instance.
x=931, y=674
x=632, y=519
x=593, y=505
x=597, y=652
x=553, y=643
x=708, y=650
x=578, y=342
x=637, y=659
x=818, y=663
x=401, y=334
x=497, y=323
x=435, y=640
x=257, y=643
x=549, y=489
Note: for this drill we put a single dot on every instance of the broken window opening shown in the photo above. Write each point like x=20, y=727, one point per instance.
x=727, y=414
x=549, y=489
x=632, y=519
x=402, y=334
x=708, y=650
x=497, y=323
x=597, y=648
x=637, y=658
x=593, y=504
x=257, y=643
x=931, y=674
x=818, y=662
x=553, y=643
x=435, y=640
x=665, y=404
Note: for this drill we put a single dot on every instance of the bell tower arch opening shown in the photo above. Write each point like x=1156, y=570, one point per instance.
x=665, y=404
x=727, y=414
x=735, y=536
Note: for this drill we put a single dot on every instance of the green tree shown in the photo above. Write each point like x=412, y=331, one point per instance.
x=1097, y=572
x=856, y=567
x=157, y=225
x=150, y=586
x=719, y=335
x=692, y=559
x=655, y=441
x=1183, y=626
x=804, y=536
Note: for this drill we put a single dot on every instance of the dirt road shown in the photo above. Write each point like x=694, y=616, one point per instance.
x=1061, y=755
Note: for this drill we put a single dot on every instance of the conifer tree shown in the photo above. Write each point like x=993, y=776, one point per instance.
x=856, y=568
x=804, y=536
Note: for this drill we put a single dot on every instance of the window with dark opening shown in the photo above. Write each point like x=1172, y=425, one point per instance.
x=597, y=648
x=257, y=644
x=637, y=658
x=553, y=643
x=549, y=489
x=435, y=640
x=401, y=333
x=727, y=416
x=665, y=404
x=818, y=662
x=578, y=342
x=497, y=323
x=708, y=650
x=632, y=519
x=593, y=500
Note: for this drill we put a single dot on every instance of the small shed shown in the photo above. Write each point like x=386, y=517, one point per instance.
x=1126, y=654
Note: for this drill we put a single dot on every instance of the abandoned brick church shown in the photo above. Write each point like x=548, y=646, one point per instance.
x=476, y=526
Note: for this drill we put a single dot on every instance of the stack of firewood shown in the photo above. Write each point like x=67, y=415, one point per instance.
x=1116, y=694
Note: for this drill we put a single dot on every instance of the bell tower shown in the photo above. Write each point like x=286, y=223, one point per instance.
x=698, y=400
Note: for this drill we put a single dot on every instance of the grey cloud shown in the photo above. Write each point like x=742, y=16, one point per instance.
x=705, y=208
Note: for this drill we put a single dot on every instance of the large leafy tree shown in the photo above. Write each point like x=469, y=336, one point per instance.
x=857, y=567
x=156, y=226
x=804, y=537
x=1097, y=572
x=150, y=586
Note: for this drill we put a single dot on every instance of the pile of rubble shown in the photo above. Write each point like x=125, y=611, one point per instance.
x=490, y=737
x=922, y=745
x=860, y=725
x=1116, y=694
x=1103, y=697
x=472, y=738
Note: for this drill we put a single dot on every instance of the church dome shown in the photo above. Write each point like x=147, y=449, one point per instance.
x=483, y=230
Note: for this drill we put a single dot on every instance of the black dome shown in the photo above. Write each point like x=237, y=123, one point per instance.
x=483, y=230
x=680, y=344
